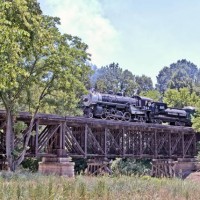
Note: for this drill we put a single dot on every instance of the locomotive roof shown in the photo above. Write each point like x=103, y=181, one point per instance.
x=142, y=98
x=189, y=108
x=178, y=110
x=157, y=102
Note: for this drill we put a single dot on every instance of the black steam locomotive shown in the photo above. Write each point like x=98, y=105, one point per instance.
x=135, y=108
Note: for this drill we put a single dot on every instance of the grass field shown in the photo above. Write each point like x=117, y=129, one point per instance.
x=35, y=186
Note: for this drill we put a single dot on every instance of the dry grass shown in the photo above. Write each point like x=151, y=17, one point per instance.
x=35, y=186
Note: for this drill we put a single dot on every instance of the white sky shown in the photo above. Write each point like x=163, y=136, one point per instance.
x=142, y=36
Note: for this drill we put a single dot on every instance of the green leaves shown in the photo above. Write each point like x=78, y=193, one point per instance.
x=112, y=77
x=181, y=98
x=178, y=75
x=37, y=61
x=41, y=69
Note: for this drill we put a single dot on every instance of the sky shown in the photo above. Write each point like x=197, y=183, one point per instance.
x=142, y=36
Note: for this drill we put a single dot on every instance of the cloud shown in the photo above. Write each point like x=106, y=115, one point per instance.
x=86, y=20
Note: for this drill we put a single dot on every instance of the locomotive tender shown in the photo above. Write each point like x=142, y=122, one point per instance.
x=135, y=108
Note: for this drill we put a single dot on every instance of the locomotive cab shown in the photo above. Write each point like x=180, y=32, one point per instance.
x=190, y=111
x=143, y=102
x=158, y=107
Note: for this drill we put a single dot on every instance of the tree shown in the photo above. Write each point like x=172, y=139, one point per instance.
x=153, y=94
x=39, y=66
x=178, y=75
x=128, y=83
x=163, y=79
x=144, y=83
x=112, y=77
x=109, y=78
x=181, y=98
x=180, y=79
x=196, y=87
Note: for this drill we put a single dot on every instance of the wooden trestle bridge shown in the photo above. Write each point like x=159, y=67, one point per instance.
x=94, y=138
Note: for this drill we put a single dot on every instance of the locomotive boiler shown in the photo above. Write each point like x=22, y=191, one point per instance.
x=116, y=106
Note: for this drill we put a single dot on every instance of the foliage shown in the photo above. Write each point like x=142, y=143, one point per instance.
x=130, y=167
x=144, y=83
x=181, y=98
x=178, y=75
x=18, y=127
x=41, y=69
x=112, y=77
x=80, y=165
x=153, y=94
x=31, y=164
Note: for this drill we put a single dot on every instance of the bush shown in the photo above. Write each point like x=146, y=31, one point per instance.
x=31, y=164
x=80, y=165
x=130, y=166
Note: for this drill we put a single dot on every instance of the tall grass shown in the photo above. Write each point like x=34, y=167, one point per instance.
x=35, y=186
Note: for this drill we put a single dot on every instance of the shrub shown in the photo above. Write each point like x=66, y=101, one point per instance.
x=130, y=166
x=31, y=164
x=80, y=165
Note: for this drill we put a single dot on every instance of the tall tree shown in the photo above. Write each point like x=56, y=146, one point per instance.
x=108, y=78
x=163, y=79
x=144, y=83
x=39, y=66
x=112, y=77
x=178, y=75
x=180, y=79
x=128, y=83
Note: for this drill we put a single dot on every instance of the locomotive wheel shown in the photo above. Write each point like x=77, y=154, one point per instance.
x=107, y=114
x=140, y=119
x=157, y=121
x=177, y=123
x=127, y=116
x=119, y=115
x=103, y=115
x=90, y=115
x=113, y=114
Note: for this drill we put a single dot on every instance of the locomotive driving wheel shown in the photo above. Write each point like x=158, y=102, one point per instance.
x=141, y=119
x=104, y=114
x=127, y=116
x=90, y=115
x=157, y=121
x=177, y=123
x=119, y=115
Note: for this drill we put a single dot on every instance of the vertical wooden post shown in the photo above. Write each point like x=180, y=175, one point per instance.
x=36, y=137
x=86, y=136
x=170, y=144
x=60, y=136
x=195, y=145
x=63, y=134
x=105, y=142
x=156, y=144
x=141, y=144
x=123, y=141
x=183, y=144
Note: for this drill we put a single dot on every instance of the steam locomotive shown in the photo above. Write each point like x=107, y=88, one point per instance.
x=135, y=109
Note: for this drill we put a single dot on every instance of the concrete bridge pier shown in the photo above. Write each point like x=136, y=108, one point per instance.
x=60, y=165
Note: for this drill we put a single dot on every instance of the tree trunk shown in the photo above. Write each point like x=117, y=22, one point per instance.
x=10, y=140
x=25, y=145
